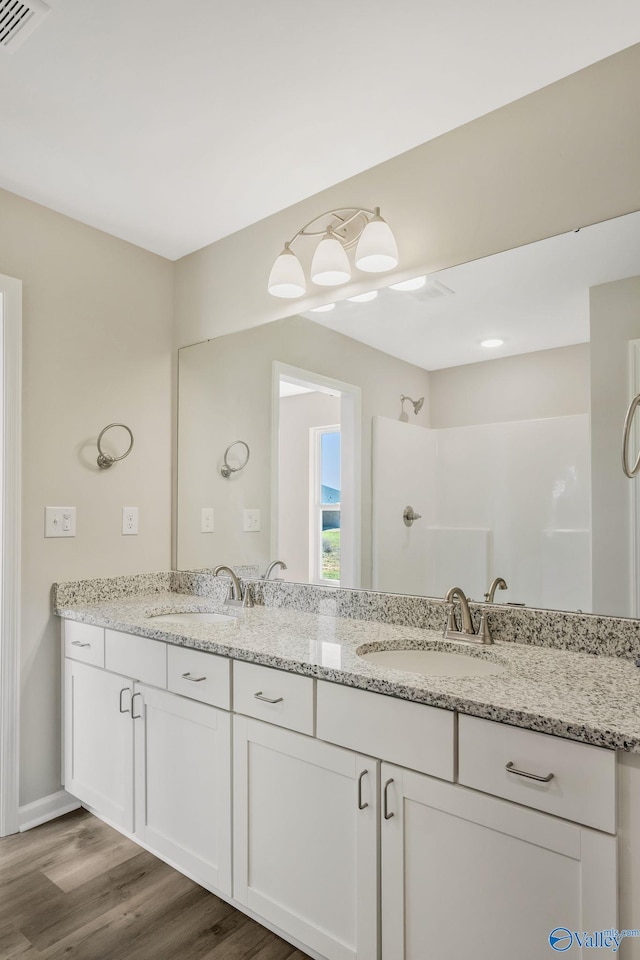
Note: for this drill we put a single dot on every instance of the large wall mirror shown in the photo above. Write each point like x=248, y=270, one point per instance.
x=467, y=428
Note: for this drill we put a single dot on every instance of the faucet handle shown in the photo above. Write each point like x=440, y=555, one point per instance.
x=484, y=633
x=452, y=626
x=247, y=599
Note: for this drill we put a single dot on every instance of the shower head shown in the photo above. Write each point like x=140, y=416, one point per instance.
x=417, y=407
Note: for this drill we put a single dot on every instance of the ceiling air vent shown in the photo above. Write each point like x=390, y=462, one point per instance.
x=19, y=18
x=433, y=290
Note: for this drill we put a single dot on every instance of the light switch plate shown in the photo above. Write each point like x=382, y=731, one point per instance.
x=59, y=521
x=252, y=521
x=206, y=520
x=129, y=521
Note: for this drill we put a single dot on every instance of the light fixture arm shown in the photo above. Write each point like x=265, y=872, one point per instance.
x=352, y=214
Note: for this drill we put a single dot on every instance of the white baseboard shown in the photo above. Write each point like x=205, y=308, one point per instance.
x=47, y=808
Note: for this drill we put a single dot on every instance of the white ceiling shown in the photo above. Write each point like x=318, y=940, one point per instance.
x=174, y=124
x=535, y=297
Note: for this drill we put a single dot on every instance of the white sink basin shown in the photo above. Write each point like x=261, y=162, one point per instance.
x=193, y=617
x=434, y=663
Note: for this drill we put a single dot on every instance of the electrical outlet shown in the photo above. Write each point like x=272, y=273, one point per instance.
x=206, y=520
x=59, y=521
x=129, y=521
x=252, y=521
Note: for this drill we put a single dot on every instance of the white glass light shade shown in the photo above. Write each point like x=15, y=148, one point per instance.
x=377, y=250
x=287, y=276
x=330, y=265
x=492, y=342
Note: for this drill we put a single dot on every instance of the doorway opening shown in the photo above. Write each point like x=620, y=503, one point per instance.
x=316, y=511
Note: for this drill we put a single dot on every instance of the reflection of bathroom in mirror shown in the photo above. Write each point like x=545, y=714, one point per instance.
x=525, y=363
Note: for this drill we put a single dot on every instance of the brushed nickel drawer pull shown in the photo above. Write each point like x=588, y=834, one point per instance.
x=135, y=716
x=530, y=776
x=125, y=690
x=260, y=696
x=77, y=643
x=361, y=805
x=387, y=815
x=187, y=676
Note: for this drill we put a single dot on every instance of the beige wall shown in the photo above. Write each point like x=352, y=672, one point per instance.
x=563, y=157
x=547, y=383
x=225, y=394
x=97, y=317
x=615, y=321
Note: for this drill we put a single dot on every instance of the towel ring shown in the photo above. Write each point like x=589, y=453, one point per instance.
x=630, y=471
x=226, y=469
x=105, y=460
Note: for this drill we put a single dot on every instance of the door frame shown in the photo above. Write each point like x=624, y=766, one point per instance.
x=10, y=548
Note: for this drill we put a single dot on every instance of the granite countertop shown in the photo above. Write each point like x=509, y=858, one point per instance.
x=592, y=699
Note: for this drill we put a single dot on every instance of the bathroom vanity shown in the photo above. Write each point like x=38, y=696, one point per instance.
x=356, y=809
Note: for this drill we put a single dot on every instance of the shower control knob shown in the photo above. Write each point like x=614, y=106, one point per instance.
x=409, y=515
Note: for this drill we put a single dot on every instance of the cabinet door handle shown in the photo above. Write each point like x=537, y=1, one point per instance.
x=187, y=676
x=135, y=716
x=76, y=643
x=260, y=696
x=629, y=470
x=530, y=776
x=128, y=709
x=387, y=815
x=361, y=805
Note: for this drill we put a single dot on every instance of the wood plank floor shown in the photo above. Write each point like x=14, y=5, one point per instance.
x=76, y=889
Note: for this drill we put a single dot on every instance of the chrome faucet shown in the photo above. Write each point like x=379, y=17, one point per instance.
x=499, y=582
x=271, y=568
x=466, y=631
x=236, y=594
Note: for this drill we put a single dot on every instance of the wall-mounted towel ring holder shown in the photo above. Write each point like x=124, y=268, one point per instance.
x=105, y=460
x=630, y=471
x=226, y=469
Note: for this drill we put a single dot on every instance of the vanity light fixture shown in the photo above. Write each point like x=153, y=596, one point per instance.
x=364, y=297
x=492, y=342
x=416, y=283
x=340, y=230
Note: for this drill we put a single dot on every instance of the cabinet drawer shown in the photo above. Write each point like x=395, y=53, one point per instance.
x=409, y=734
x=583, y=783
x=83, y=641
x=137, y=657
x=200, y=676
x=285, y=699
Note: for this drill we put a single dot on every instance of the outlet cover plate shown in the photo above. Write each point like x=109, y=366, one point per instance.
x=129, y=521
x=206, y=520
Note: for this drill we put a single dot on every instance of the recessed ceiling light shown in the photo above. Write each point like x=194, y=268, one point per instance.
x=323, y=309
x=416, y=283
x=492, y=342
x=364, y=297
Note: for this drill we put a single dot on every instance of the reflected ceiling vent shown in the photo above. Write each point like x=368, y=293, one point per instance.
x=18, y=19
x=433, y=290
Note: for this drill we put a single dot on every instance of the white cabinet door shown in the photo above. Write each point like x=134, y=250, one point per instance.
x=467, y=875
x=305, y=850
x=183, y=783
x=98, y=736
